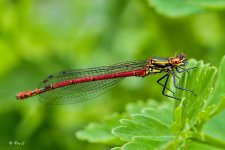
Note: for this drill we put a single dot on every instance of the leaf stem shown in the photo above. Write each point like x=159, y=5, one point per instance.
x=202, y=138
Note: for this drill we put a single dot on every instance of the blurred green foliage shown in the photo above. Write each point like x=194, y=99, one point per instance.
x=41, y=37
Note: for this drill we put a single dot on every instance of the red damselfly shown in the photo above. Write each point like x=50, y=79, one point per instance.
x=79, y=85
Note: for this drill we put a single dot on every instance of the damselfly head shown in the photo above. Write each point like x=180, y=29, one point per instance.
x=179, y=60
x=183, y=59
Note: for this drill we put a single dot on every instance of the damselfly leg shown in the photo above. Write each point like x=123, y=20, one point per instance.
x=163, y=85
x=174, y=76
x=183, y=69
x=178, y=87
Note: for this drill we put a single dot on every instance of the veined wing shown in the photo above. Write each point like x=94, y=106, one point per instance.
x=79, y=92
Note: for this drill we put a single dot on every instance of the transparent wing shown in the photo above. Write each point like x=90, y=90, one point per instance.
x=79, y=92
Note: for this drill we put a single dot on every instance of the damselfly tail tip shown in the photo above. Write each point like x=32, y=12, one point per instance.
x=20, y=95
x=23, y=95
x=29, y=93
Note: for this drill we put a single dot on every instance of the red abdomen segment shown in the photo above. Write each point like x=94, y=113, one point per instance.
x=22, y=95
x=48, y=88
x=100, y=77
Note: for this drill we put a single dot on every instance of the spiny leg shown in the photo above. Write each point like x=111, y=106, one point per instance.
x=183, y=69
x=175, y=84
x=158, y=81
x=164, y=87
x=176, y=76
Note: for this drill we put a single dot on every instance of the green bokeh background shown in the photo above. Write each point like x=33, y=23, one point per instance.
x=41, y=37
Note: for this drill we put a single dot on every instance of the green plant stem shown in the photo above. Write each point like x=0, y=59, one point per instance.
x=202, y=138
x=220, y=107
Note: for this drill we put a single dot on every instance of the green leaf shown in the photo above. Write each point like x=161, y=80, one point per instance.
x=177, y=123
x=220, y=84
x=140, y=125
x=158, y=111
x=218, y=97
x=181, y=8
x=147, y=143
x=148, y=129
x=135, y=108
x=210, y=4
x=203, y=138
x=116, y=148
x=101, y=132
x=220, y=107
x=215, y=127
x=175, y=8
x=198, y=146
x=200, y=80
x=162, y=113
x=204, y=116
